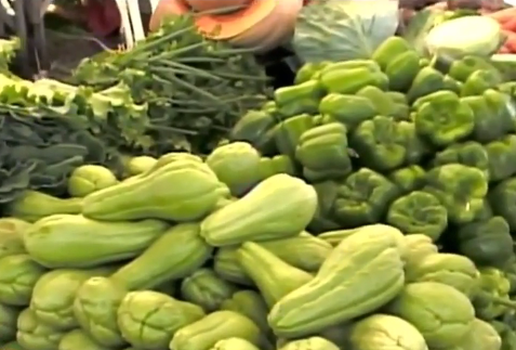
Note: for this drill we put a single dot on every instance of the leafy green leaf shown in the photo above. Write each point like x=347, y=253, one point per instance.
x=343, y=30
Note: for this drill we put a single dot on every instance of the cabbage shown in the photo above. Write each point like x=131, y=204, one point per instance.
x=471, y=35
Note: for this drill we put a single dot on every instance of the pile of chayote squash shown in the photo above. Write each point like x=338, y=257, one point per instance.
x=178, y=257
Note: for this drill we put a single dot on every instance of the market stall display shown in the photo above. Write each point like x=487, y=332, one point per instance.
x=169, y=199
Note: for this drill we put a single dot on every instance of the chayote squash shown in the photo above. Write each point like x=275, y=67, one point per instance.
x=312, y=343
x=90, y=178
x=95, y=309
x=206, y=289
x=417, y=247
x=361, y=274
x=250, y=304
x=304, y=251
x=33, y=205
x=219, y=325
x=17, y=279
x=234, y=343
x=11, y=242
x=237, y=165
x=177, y=188
x=334, y=237
x=226, y=265
x=440, y=312
x=452, y=269
x=139, y=165
x=78, y=339
x=8, y=319
x=33, y=334
x=482, y=336
x=54, y=294
x=74, y=241
x=176, y=254
x=386, y=332
x=148, y=320
x=256, y=216
x=273, y=277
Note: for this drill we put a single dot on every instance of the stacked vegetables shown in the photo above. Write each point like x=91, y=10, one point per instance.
x=169, y=259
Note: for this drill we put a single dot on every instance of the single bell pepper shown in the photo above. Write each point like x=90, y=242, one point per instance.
x=308, y=71
x=269, y=166
x=382, y=102
x=440, y=95
x=296, y=99
x=256, y=128
x=391, y=48
x=289, y=131
x=349, y=110
x=504, y=106
x=463, y=68
x=470, y=153
x=416, y=148
x=452, y=84
x=418, y=212
x=379, y=143
x=401, y=112
x=351, y=80
x=444, y=120
x=363, y=198
x=460, y=188
x=402, y=70
x=428, y=80
x=480, y=81
x=409, y=179
x=486, y=243
x=323, y=152
x=502, y=158
x=502, y=199
x=358, y=63
x=324, y=219
x=493, y=286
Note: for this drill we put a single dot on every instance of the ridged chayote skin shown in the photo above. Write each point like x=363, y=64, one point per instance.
x=482, y=336
x=313, y=343
x=417, y=246
x=87, y=179
x=149, y=319
x=18, y=278
x=140, y=165
x=95, y=309
x=33, y=334
x=452, y=269
x=234, y=343
x=78, y=339
x=11, y=241
x=8, y=319
x=440, y=312
x=386, y=332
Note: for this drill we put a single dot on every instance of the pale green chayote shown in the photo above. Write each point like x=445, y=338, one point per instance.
x=33, y=334
x=234, y=343
x=386, y=332
x=78, y=339
x=482, y=336
x=417, y=246
x=312, y=343
x=90, y=178
x=441, y=313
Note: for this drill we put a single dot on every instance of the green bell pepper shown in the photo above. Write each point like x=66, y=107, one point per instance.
x=502, y=158
x=256, y=128
x=397, y=97
x=269, y=166
x=379, y=143
x=486, y=243
x=452, y=84
x=502, y=199
x=444, y=119
x=408, y=179
x=289, y=131
x=363, y=198
x=384, y=105
x=416, y=147
x=323, y=152
x=324, y=219
x=402, y=70
x=349, y=110
x=428, y=80
x=351, y=80
x=418, y=212
x=391, y=48
x=479, y=81
x=358, y=63
x=469, y=153
x=308, y=71
x=463, y=68
x=493, y=286
x=297, y=99
x=460, y=188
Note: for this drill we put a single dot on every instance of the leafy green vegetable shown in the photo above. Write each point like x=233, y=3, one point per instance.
x=336, y=30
